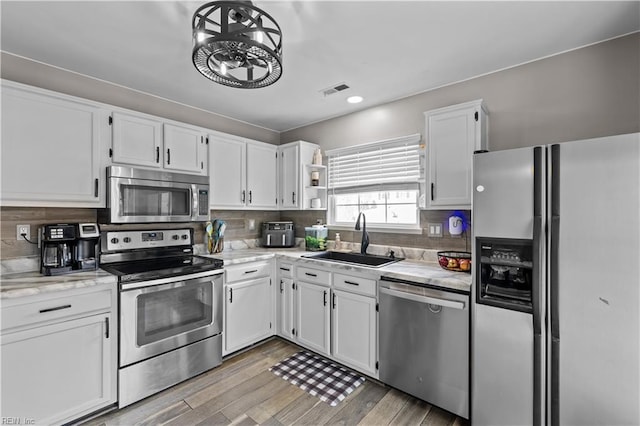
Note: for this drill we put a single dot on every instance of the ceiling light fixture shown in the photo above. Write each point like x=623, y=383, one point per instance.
x=354, y=99
x=237, y=44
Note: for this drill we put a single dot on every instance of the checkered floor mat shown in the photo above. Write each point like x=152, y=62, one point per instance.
x=314, y=374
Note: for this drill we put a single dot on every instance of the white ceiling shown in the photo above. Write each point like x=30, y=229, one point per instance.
x=384, y=50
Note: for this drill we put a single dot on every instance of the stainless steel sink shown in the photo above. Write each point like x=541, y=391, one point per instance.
x=356, y=258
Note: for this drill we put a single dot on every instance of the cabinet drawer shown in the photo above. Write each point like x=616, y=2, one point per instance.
x=285, y=269
x=311, y=275
x=55, y=308
x=359, y=285
x=248, y=271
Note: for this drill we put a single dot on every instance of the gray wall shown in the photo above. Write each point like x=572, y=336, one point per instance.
x=45, y=76
x=589, y=92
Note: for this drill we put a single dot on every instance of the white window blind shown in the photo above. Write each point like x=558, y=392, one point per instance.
x=390, y=161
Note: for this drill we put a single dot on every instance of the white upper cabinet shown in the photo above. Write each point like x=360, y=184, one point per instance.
x=142, y=140
x=243, y=173
x=136, y=140
x=301, y=181
x=262, y=175
x=50, y=149
x=289, y=176
x=184, y=149
x=453, y=134
x=227, y=172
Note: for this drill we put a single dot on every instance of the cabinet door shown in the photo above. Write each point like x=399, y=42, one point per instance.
x=50, y=148
x=289, y=177
x=286, y=311
x=137, y=140
x=453, y=134
x=182, y=148
x=227, y=172
x=313, y=316
x=248, y=313
x=354, y=330
x=262, y=177
x=57, y=373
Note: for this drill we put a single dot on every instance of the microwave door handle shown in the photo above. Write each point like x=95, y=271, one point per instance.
x=194, y=202
x=268, y=239
x=284, y=243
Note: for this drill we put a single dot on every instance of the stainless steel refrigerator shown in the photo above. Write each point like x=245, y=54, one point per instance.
x=556, y=284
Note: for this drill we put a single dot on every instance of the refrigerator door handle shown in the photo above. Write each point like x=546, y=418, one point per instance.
x=554, y=247
x=538, y=282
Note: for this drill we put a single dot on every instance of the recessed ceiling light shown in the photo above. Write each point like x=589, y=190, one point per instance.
x=354, y=99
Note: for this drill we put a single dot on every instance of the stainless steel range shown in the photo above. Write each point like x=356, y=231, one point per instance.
x=170, y=309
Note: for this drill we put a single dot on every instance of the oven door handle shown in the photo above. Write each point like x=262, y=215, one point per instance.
x=446, y=303
x=202, y=276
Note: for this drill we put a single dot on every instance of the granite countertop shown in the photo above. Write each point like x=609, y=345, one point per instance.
x=31, y=283
x=410, y=270
x=13, y=285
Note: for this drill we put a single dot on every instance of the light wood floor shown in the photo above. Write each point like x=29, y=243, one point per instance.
x=242, y=391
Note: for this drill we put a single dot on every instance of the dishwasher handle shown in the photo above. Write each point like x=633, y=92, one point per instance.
x=446, y=303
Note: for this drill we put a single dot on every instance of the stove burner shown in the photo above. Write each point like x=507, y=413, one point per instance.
x=150, y=269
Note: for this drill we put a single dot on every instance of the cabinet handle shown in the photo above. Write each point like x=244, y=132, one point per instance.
x=251, y=271
x=168, y=156
x=243, y=195
x=281, y=287
x=334, y=300
x=324, y=298
x=95, y=188
x=310, y=274
x=230, y=295
x=106, y=324
x=293, y=197
x=157, y=154
x=351, y=282
x=285, y=269
x=432, y=190
x=250, y=197
x=57, y=308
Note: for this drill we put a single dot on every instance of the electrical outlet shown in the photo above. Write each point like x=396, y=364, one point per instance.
x=252, y=224
x=23, y=229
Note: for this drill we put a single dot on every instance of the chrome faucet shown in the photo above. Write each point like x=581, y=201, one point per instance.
x=365, y=237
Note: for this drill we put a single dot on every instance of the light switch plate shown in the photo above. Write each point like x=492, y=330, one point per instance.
x=434, y=230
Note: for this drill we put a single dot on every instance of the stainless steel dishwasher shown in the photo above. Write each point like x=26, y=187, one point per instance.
x=424, y=343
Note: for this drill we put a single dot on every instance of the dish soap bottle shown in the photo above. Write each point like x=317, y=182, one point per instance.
x=338, y=243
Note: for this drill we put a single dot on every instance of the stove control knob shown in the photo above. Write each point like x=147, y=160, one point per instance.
x=185, y=236
x=126, y=239
x=115, y=241
x=175, y=237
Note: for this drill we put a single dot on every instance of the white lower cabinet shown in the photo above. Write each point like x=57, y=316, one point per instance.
x=335, y=315
x=353, y=330
x=248, y=306
x=58, y=357
x=285, y=302
x=313, y=316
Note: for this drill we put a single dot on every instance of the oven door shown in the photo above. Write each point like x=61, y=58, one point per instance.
x=161, y=315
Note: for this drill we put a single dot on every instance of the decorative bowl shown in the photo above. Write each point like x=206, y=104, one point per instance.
x=459, y=261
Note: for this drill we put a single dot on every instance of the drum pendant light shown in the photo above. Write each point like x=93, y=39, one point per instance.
x=237, y=44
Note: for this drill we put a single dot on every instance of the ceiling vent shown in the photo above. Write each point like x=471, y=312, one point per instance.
x=334, y=89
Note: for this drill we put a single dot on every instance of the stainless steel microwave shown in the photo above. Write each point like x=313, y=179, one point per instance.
x=147, y=196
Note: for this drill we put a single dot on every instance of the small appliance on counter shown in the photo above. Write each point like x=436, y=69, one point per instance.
x=278, y=234
x=315, y=237
x=69, y=247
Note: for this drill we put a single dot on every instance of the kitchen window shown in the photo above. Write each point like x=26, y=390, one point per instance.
x=380, y=179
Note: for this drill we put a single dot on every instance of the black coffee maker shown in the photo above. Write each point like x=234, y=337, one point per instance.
x=69, y=247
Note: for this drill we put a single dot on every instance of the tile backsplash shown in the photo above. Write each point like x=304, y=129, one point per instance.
x=239, y=227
